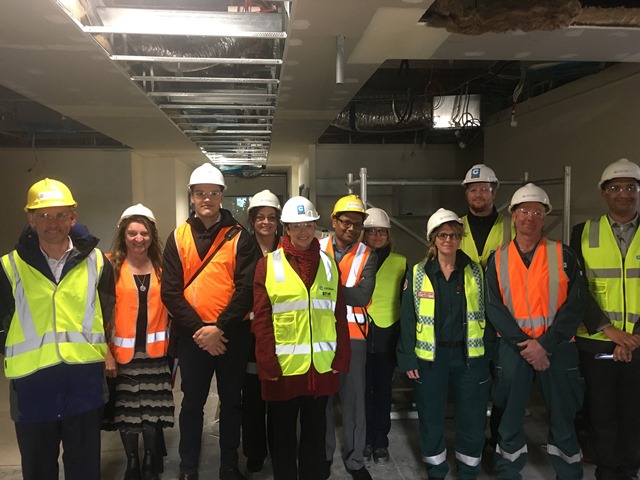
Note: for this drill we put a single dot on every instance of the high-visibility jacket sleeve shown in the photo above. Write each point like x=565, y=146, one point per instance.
x=497, y=312
x=406, y=351
x=594, y=318
x=360, y=294
x=7, y=307
x=262, y=326
x=570, y=314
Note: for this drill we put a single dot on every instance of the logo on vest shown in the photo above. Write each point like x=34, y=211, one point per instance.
x=423, y=294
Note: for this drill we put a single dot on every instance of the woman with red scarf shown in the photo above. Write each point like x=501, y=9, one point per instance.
x=302, y=342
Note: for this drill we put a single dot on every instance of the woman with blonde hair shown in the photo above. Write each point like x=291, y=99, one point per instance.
x=442, y=342
x=139, y=341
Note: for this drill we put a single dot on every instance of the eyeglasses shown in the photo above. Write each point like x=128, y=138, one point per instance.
x=444, y=236
x=629, y=188
x=346, y=224
x=262, y=218
x=482, y=190
x=199, y=194
x=53, y=216
x=531, y=213
x=383, y=232
x=301, y=226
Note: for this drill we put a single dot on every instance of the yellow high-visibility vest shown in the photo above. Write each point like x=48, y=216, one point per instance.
x=53, y=323
x=501, y=232
x=384, y=309
x=425, y=307
x=613, y=282
x=304, y=322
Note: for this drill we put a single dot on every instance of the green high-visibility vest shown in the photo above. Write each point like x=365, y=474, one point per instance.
x=425, y=307
x=384, y=309
x=53, y=323
x=613, y=282
x=501, y=232
x=304, y=322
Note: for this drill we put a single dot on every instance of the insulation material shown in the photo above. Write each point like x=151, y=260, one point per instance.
x=609, y=17
x=381, y=116
x=499, y=16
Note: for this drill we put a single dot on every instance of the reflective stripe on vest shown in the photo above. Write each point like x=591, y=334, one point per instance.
x=210, y=293
x=501, y=232
x=540, y=290
x=425, y=307
x=46, y=328
x=303, y=335
x=384, y=309
x=613, y=282
x=351, y=266
x=126, y=317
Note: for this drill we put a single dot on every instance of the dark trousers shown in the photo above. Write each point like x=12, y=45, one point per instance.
x=310, y=464
x=196, y=369
x=563, y=396
x=254, y=429
x=39, y=444
x=613, y=390
x=379, y=375
x=470, y=382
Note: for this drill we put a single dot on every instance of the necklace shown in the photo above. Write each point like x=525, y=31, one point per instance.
x=141, y=286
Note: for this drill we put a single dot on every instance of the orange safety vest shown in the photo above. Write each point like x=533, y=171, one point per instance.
x=351, y=266
x=533, y=295
x=126, y=315
x=210, y=293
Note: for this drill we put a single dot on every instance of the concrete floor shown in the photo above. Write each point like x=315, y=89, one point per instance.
x=405, y=457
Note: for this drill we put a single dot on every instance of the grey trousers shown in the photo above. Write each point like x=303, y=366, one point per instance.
x=354, y=420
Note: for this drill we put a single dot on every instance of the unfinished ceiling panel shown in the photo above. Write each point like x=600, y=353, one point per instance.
x=212, y=67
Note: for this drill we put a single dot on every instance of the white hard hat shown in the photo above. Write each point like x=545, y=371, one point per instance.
x=440, y=217
x=207, y=173
x=376, y=217
x=264, y=199
x=298, y=210
x=137, y=209
x=530, y=193
x=622, y=168
x=480, y=173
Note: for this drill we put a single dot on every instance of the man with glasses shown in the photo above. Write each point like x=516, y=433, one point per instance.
x=56, y=293
x=535, y=298
x=207, y=286
x=358, y=265
x=608, y=339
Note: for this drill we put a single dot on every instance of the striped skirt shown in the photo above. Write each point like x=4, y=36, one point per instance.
x=143, y=394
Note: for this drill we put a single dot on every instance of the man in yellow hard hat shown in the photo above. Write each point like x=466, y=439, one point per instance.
x=56, y=293
x=609, y=338
x=207, y=285
x=358, y=266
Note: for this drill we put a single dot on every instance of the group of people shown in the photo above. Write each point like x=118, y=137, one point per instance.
x=293, y=325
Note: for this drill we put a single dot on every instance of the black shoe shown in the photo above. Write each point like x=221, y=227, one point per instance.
x=381, y=456
x=231, y=473
x=148, y=467
x=188, y=476
x=366, y=453
x=327, y=472
x=255, y=465
x=361, y=474
x=133, y=467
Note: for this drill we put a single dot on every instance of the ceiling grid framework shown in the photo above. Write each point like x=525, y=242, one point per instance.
x=210, y=67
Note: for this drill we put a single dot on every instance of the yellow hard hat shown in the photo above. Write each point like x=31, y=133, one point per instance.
x=350, y=203
x=49, y=193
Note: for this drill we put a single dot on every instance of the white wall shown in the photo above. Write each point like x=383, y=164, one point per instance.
x=586, y=124
x=99, y=180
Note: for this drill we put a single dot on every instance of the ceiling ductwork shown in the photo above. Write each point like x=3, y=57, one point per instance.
x=212, y=67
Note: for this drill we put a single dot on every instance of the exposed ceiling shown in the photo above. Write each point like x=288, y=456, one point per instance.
x=59, y=86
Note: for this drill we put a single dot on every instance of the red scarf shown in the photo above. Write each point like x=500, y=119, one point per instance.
x=306, y=260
